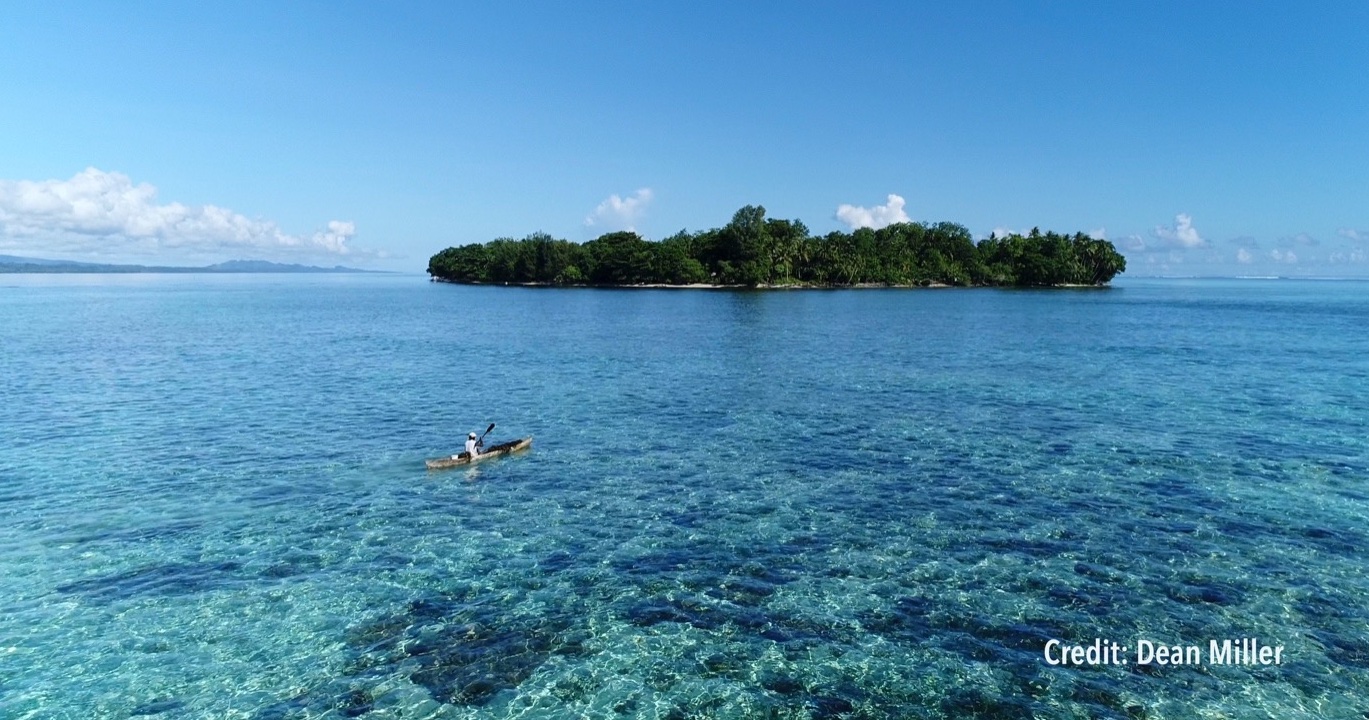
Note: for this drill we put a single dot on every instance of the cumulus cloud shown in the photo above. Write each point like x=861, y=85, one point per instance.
x=1299, y=240
x=1180, y=235
x=1132, y=243
x=1353, y=252
x=617, y=213
x=874, y=217
x=1244, y=256
x=105, y=212
x=1283, y=256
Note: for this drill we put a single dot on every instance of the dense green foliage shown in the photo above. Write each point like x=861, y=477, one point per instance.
x=754, y=250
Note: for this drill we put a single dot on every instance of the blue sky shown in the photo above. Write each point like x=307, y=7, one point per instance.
x=1201, y=138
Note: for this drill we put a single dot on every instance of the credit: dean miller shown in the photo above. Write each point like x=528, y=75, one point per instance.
x=1231, y=651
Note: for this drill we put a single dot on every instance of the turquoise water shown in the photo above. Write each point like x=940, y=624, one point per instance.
x=799, y=504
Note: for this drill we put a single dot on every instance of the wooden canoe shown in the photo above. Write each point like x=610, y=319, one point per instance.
x=495, y=451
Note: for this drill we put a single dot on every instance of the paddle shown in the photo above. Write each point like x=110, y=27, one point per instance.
x=481, y=441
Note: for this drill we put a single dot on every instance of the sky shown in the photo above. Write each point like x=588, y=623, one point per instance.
x=1200, y=138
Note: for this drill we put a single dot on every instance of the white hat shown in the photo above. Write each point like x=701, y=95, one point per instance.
x=471, y=436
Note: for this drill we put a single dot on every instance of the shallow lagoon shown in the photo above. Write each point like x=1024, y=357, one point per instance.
x=859, y=503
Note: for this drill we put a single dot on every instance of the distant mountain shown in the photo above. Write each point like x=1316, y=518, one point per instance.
x=16, y=260
x=262, y=266
x=16, y=264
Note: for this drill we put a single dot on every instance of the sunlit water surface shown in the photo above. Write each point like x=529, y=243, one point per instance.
x=821, y=504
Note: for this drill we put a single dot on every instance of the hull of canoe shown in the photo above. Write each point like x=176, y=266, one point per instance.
x=495, y=451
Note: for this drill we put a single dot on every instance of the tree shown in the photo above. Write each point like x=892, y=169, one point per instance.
x=786, y=241
x=672, y=265
x=752, y=250
x=744, y=244
x=620, y=258
x=1099, y=262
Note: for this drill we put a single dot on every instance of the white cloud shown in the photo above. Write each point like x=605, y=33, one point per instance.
x=1182, y=234
x=1353, y=234
x=1299, y=240
x=1284, y=256
x=1244, y=257
x=876, y=217
x=335, y=238
x=1132, y=243
x=1099, y=233
x=616, y=213
x=104, y=212
x=1002, y=232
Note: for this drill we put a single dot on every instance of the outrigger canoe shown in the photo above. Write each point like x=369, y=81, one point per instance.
x=452, y=461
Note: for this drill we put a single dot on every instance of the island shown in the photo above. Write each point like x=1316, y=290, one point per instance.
x=17, y=264
x=754, y=251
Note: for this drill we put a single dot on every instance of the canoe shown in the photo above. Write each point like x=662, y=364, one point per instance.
x=495, y=451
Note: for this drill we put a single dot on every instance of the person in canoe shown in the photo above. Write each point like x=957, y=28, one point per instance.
x=473, y=444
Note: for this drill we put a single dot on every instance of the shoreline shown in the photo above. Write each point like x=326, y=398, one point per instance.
x=797, y=286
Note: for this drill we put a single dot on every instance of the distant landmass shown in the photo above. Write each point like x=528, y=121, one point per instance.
x=16, y=264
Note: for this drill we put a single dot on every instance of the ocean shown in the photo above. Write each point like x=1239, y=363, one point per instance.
x=783, y=504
